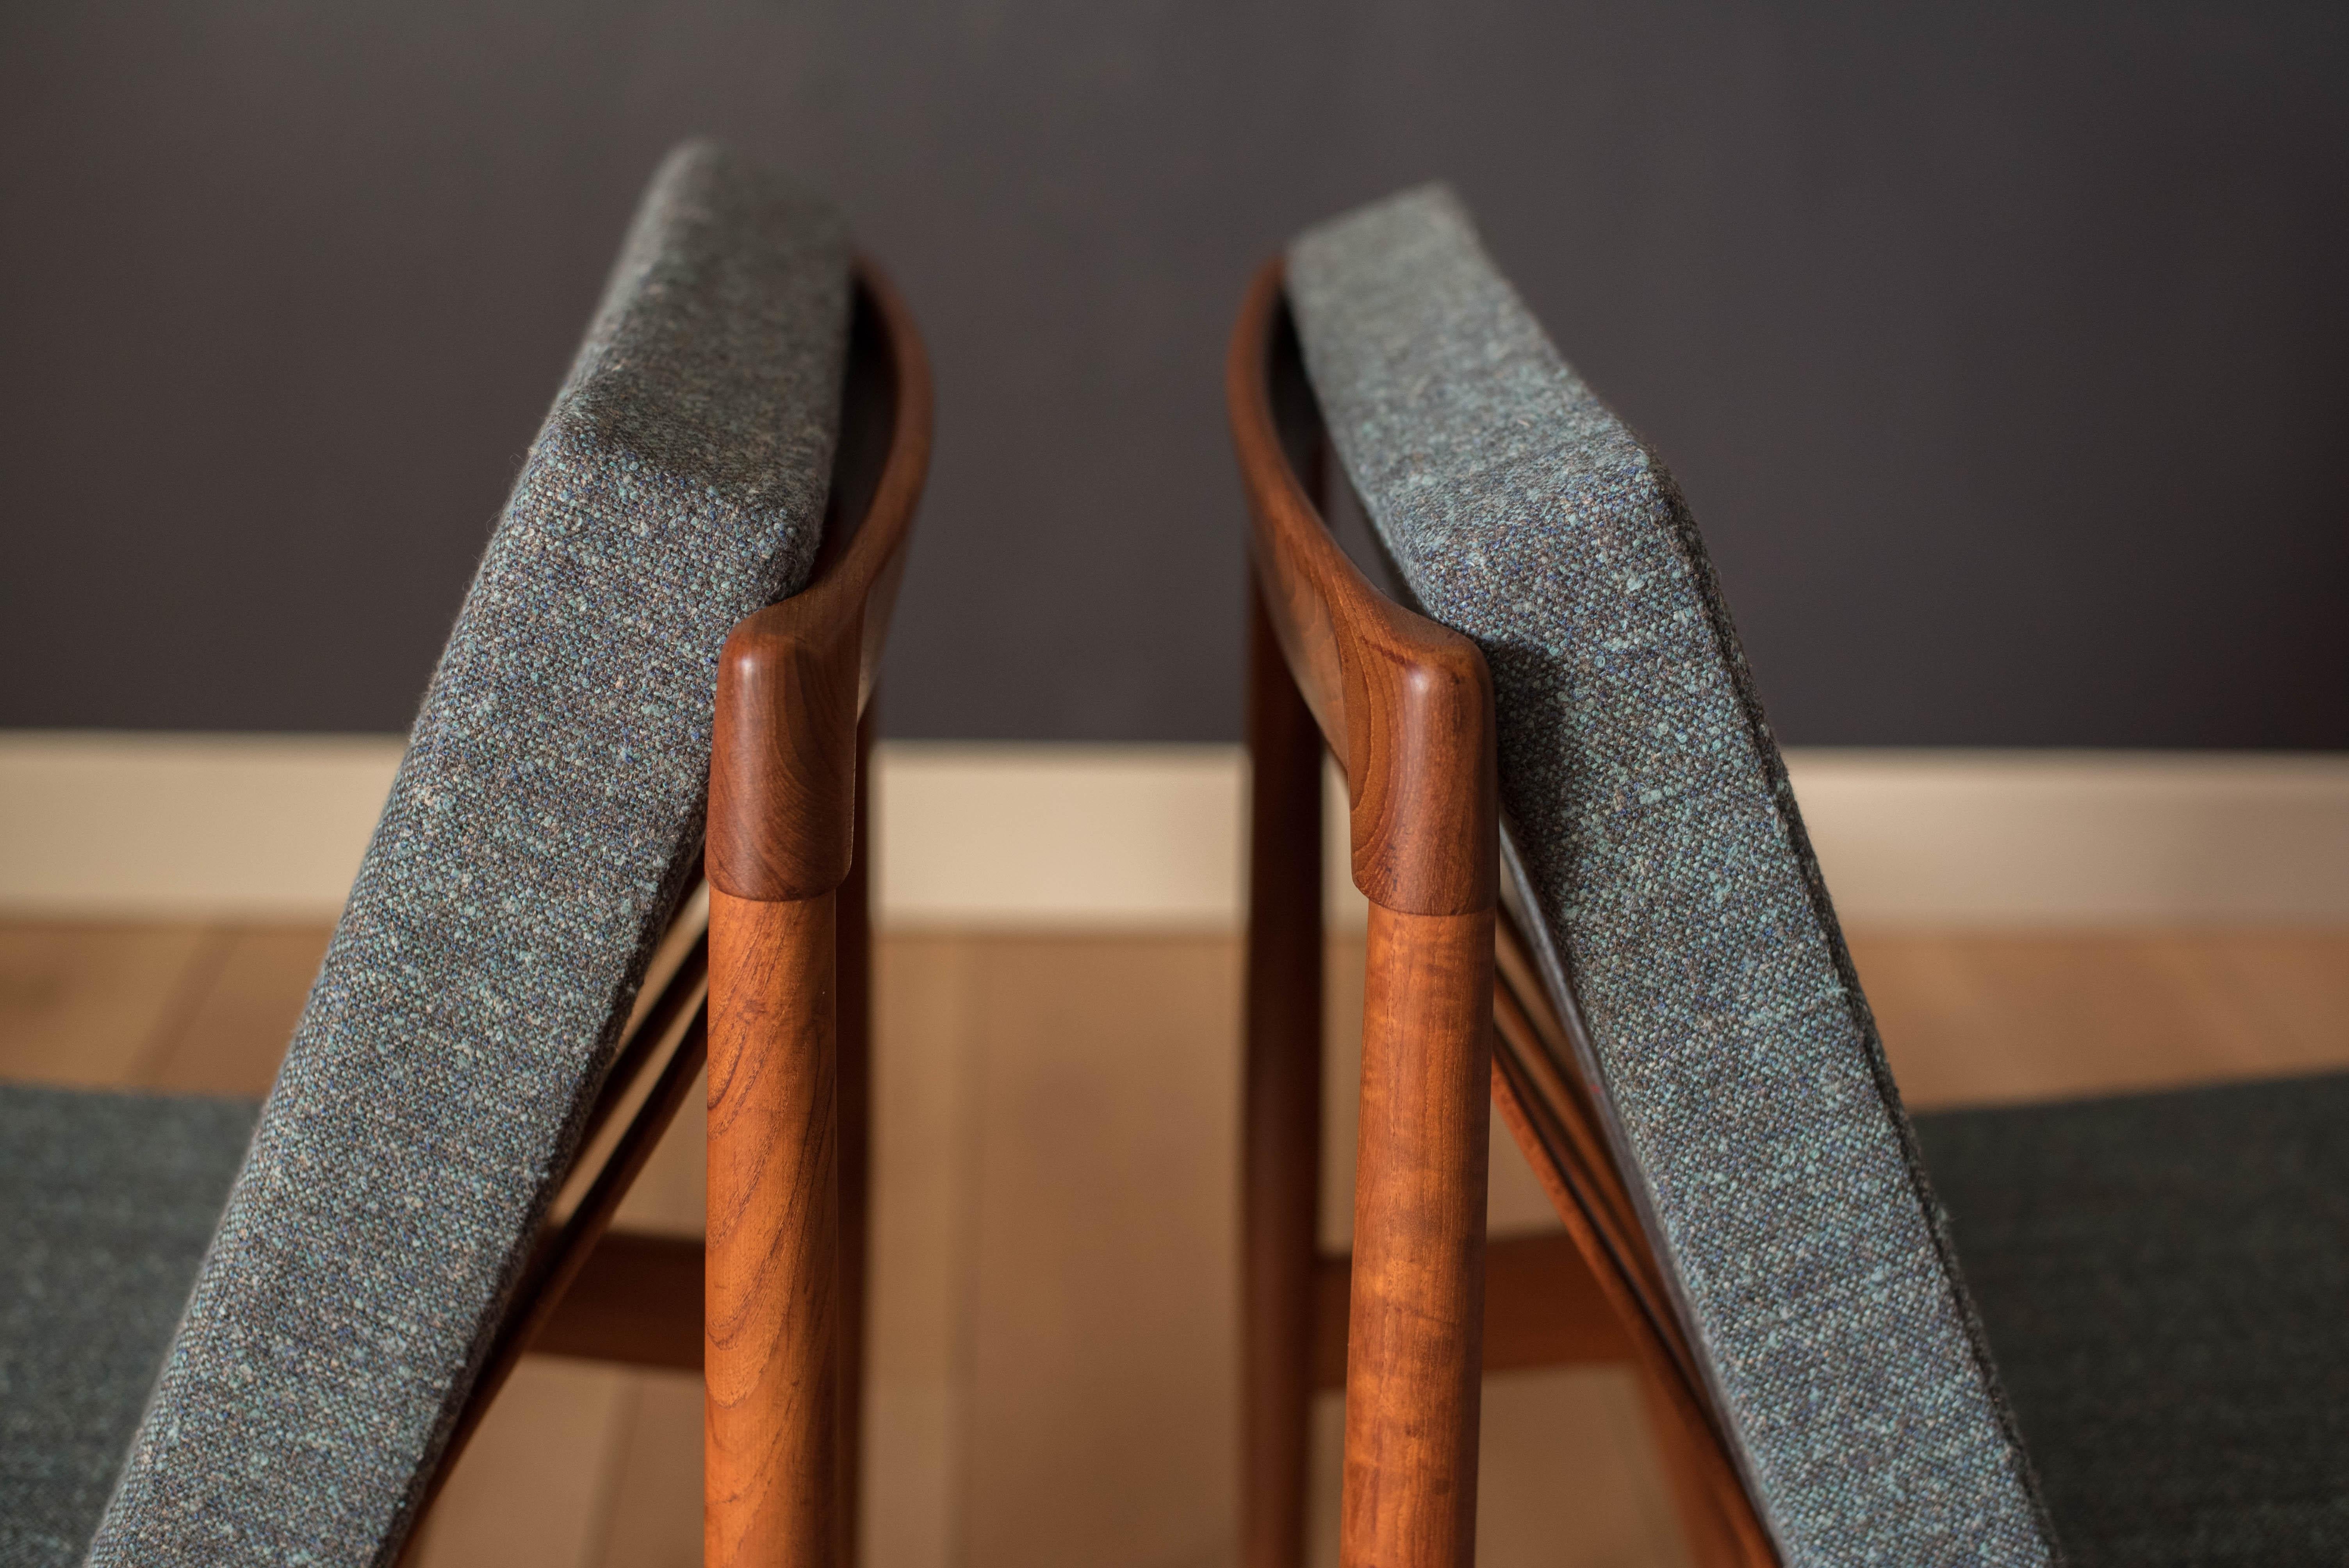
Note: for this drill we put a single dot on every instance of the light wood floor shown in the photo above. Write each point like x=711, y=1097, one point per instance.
x=1053, y=1379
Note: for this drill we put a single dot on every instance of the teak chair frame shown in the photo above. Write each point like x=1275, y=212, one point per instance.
x=1455, y=1017
x=768, y=982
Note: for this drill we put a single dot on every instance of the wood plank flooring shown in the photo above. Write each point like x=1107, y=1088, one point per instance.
x=1053, y=1376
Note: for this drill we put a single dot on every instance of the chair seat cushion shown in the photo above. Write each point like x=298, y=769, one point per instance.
x=107, y=1201
x=2165, y=1280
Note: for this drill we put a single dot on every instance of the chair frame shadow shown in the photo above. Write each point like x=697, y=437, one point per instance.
x=1455, y=1020
x=767, y=983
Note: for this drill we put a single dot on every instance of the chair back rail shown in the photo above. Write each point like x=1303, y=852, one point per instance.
x=824, y=641
x=783, y=1289
x=1406, y=706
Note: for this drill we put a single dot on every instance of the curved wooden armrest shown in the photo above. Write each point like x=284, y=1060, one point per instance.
x=1404, y=703
x=794, y=678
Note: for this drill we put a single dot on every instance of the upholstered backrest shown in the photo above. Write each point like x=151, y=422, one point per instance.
x=1657, y=847
x=541, y=828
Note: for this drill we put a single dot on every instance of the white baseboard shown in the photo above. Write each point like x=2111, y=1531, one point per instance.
x=156, y=827
x=161, y=826
x=2078, y=838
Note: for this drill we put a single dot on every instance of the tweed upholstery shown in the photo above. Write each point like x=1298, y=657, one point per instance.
x=107, y=1201
x=537, y=836
x=2166, y=1281
x=1672, y=887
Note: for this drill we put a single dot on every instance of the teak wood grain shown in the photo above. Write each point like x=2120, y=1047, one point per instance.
x=1280, y=1134
x=784, y=1309
x=1455, y=1021
x=771, y=1361
x=1407, y=705
x=1542, y=1308
x=853, y=1075
x=1413, y=1343
x=637, y=1299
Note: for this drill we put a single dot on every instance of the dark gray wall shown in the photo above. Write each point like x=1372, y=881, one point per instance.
x=1999, y=348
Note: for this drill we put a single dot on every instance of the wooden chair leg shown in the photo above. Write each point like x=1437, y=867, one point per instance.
x=855, y=1074
x=1281, y=1114
x=771, y=1356
x=1413, y=1352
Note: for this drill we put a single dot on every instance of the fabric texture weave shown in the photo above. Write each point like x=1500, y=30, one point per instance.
x=1649, y=818
x=544, y=820
x=2165, y=1278
x=107, y=1201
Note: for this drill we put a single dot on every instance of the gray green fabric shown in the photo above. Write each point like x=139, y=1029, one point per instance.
x=1649, y=818
x=107, y=1201
x=2165, y=1279
x=540, y=830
